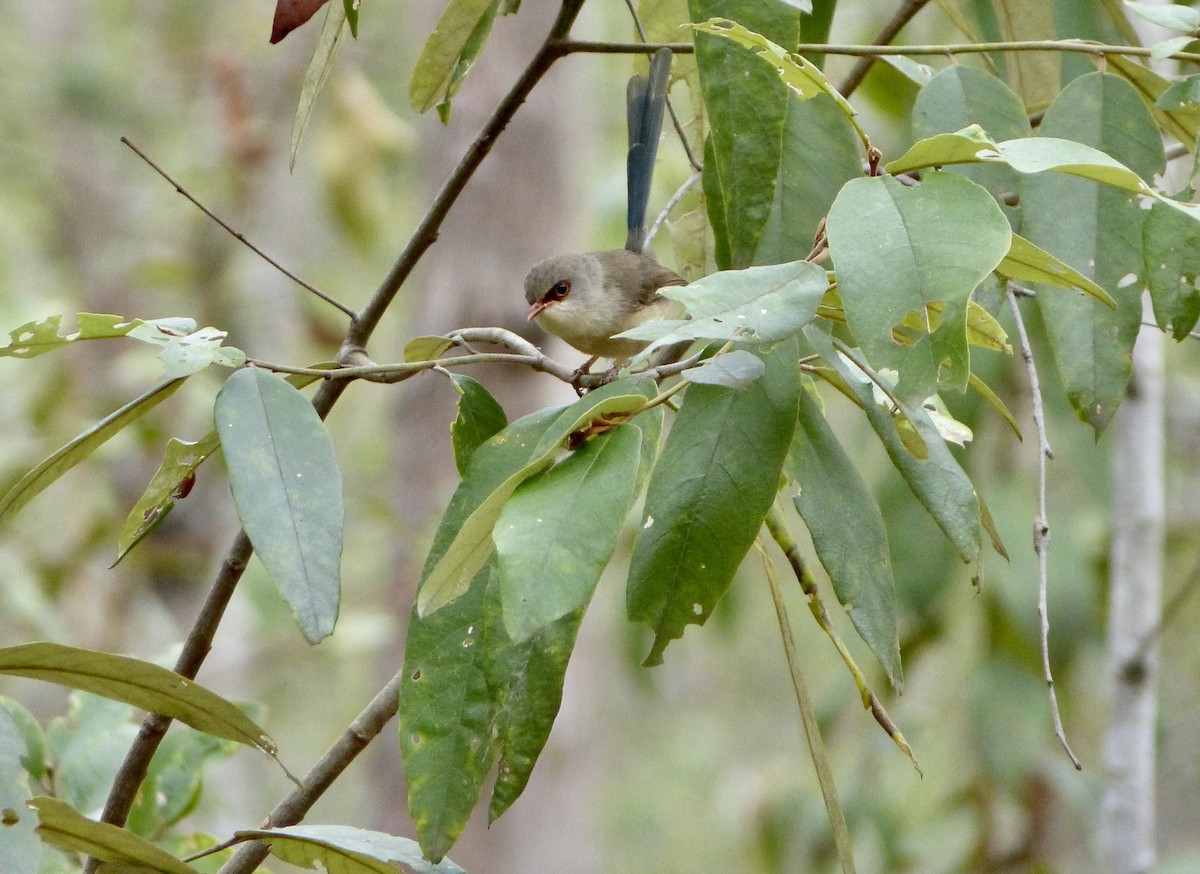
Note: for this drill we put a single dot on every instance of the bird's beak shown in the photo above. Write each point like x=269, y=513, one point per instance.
x=536, y=308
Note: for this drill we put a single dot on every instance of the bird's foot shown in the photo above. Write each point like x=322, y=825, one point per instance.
x=580, y=372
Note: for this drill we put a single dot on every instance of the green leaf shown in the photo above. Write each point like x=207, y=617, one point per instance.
x=63, y=826
x=466, y=60
x=138, y=683
x=527, y=682
x=1185, y=92
x=463, y=542
x=173, y=479
x=440, y=55
x=944, y=149
x=288, y=491
x=1031, y=155
x=848, y=533
x=19, y=847
x=346, y=850
x=33, y=759
x=1028, y=263
x=426, y=348
x=86, y=747
x=35, y=338
x=317, y=74
x=447, y=709
x=935, y=477
x=800, y=75
x=351, y=7
x=34, y=482
x=172, y=787
x=1043, y=154
x=993, y=400
x=912, y=70
x=736, y=370
x=479, y=417
x=557, y=532
x=747, y=105
x=1169, y=102
x=1160, y=51
x=1098, y=231
x=768, y=192
x=1181, y=19
x=760, y=303
x=468, y=694
x=1171, y=245
x=899, y=249
x=1035, y=76
x=961, y=96
x=1047, y=152
x=710, y=491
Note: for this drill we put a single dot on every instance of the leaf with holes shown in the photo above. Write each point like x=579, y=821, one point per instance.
x=463, y=542
x=708, y=495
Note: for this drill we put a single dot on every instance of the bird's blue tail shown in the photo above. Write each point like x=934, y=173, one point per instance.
x=644, y=101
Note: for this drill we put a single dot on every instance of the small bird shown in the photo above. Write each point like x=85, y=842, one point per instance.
x=588, y=298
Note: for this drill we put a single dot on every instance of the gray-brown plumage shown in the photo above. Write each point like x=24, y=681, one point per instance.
x=588, y=298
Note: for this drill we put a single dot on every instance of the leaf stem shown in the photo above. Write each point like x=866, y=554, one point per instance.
x=782, y=535
x=812, y=729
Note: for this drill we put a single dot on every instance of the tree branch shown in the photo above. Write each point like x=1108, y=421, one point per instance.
x=199, y=640
x=887, y=33
x=291, y=810
x=426, y=233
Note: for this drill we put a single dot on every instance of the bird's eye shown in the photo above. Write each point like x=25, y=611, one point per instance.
x=560, y=290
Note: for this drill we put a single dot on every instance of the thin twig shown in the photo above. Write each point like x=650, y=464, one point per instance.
x=1068, y=46
x=1191, y=334
x=238, y=235
x=637, y=23
x=666, y=210
x=886, y=34
x=1041, y=523
x=356, y=364
x=591, y=47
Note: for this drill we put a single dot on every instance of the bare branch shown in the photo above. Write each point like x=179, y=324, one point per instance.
x=1041, y=523
x=238, y=235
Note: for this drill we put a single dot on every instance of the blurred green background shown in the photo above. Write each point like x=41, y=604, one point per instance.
x=698, y=764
